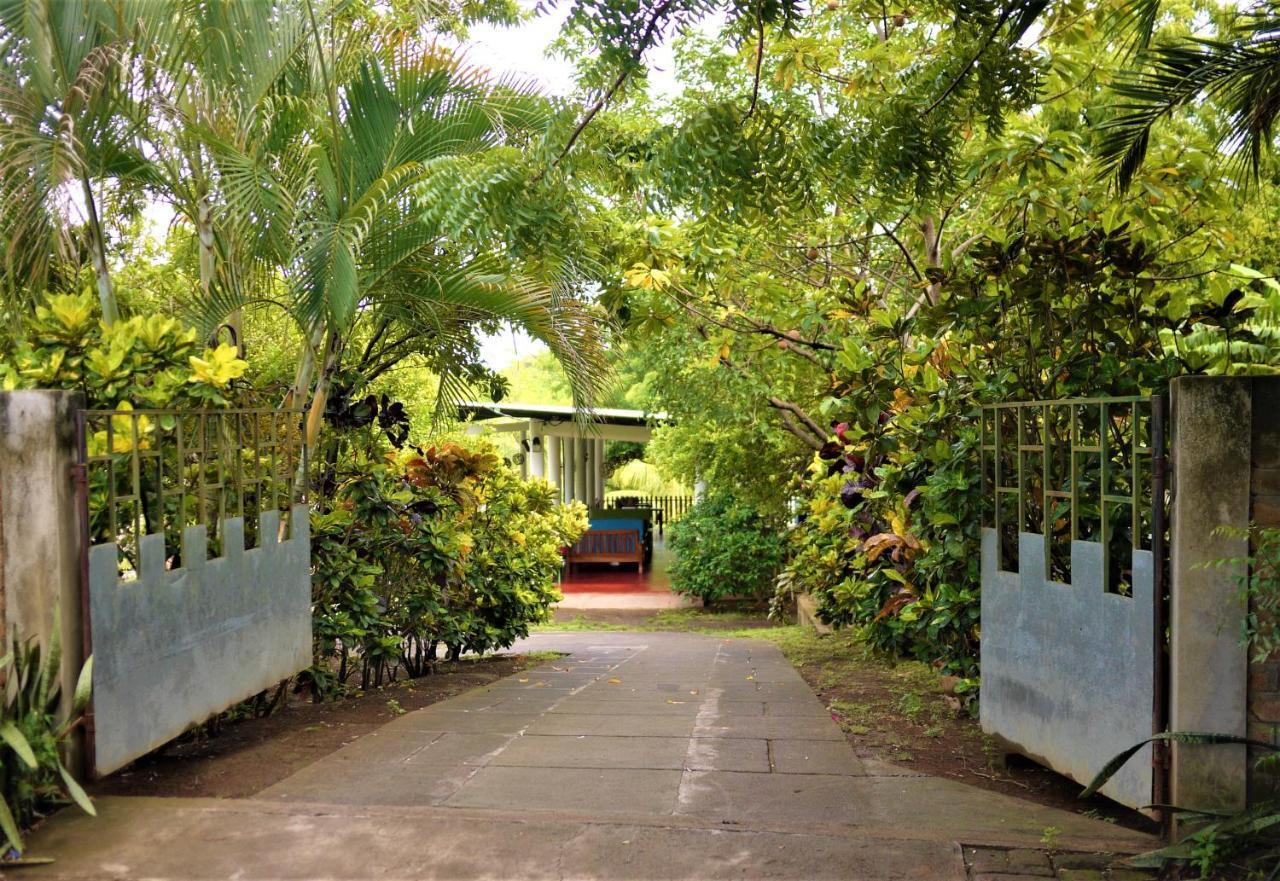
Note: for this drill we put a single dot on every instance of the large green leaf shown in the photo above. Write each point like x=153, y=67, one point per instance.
x=17, y=741
x=76, y=792
x=1117, y=762
x=84, y=688
x=9, y=826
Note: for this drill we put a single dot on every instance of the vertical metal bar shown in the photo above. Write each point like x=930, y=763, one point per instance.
x=1104, y=466
x=1046, y=448
x=983, y=488
x=1135, y=493
x=135, y=479
x=112, y=518
x=1017, y=451
x=81, y=478
x=1073, y=474
x=1160, y=691
x=237, y=473
x=182, y=480
x=200, y=503
x=999, y=469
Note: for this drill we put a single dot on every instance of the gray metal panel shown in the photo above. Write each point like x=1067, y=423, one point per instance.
x=177, y=646
x=1068, y=670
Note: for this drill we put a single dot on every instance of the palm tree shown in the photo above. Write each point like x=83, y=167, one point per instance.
x=389, y=113
x=67, y=123
x=1240, y=75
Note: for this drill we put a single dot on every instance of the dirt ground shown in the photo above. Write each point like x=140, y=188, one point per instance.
x=246, y=755
x=896, y=712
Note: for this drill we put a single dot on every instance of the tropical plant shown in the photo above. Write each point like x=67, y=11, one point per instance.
x=1218, y=843
x=725, y=548
x=147, y=361
x=33, y=737
x=421, y=550
x=1236, y=72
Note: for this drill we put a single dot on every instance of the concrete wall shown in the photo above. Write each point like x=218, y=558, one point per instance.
x=39, y=526
x=177, y=646
x=1264, y=676
x=1211, y=450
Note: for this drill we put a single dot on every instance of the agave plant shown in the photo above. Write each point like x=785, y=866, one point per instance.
x=32, y=773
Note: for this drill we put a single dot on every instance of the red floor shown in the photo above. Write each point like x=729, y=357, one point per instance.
x=603, y=578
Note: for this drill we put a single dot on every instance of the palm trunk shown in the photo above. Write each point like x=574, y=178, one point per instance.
x=209, y=266
x=315, y=417
x=98, y=251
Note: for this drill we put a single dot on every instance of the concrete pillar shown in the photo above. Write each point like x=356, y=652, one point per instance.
x=553, y=465
x=1210, y=454
x=580, y=469
x=598, y=461
x=40, y=526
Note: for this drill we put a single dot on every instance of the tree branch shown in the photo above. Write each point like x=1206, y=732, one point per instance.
x=604, y=99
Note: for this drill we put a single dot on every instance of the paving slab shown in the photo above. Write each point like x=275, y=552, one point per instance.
x=589, y=790
x=815, y=757
x=642, y=756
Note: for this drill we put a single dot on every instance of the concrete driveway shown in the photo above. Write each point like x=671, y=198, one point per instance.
x=638, y=756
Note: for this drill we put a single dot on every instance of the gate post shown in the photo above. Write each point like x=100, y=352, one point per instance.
x=1211, y=452
x=40, y=543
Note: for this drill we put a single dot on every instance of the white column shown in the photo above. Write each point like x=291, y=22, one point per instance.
x=553, y=465
x=580, y=469
x=589, y=482
x=569, y=446
x=537, y=455
x=598, y=461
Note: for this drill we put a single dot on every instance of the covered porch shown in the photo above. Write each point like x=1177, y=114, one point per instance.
x=571, y=453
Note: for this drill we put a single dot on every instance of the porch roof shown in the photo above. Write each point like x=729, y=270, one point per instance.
x=480, y=411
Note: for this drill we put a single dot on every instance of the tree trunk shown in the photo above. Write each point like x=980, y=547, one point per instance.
x=98, y=251
x=315, y=416
x=932, y=256
x=209, y=266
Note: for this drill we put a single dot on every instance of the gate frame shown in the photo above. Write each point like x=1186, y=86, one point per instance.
x=1157, y=450
x=298, y=493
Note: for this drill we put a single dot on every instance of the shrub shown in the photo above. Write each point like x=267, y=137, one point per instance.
x=889, y=543
x=725, y=547
x=413, y=552
x=147, y=361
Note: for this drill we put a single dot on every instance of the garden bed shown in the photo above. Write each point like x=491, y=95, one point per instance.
x=247, y=755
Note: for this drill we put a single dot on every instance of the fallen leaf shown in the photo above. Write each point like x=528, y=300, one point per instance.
x=695, y=691
x=615, y=681
x=670, y=701
x=751, y=679
x=526, y=679
x=539, y=685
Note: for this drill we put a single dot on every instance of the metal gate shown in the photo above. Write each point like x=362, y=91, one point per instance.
x=195, y=570
x=1073, y=628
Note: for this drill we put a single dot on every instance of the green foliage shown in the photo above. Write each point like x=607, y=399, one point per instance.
x=33, y=737
x=1243, y=842
x=724, y=547
x=147, y=361
x=446, y=548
